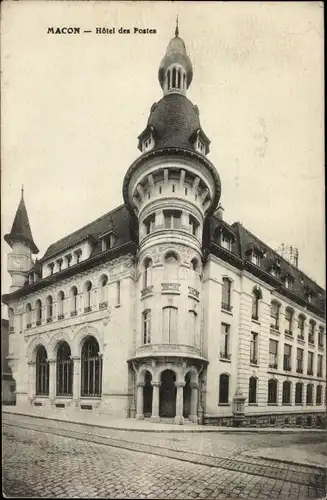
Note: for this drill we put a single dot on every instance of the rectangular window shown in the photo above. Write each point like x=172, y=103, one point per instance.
x=299, y=360
x=319, y=366
x=224, y=342
x=300, y=325
x=310, y=363
x=273, y=353
x=255, y=258
x=225, y=301
x=193, y=225
x=312, y=332
x=274, y=315
x=287, y=357
x=321, y=337
x=170, y=324
x=147, y=327
x=288, y=320
x=149, y=224
x=192, y=326
x=172, y=219
x=254, y=348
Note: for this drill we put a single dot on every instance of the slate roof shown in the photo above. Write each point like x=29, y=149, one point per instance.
x=116, y=220
x=21, y=229
x=174, y=121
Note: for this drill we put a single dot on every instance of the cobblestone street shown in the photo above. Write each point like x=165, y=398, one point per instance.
x=54, y=461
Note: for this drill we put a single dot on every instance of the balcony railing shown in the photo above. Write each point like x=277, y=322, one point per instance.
x=289, y=333
x=299, y=370
x=255, y=317
x=193, y=291
x=321, y=344
x=253, y=361
x=29, y=325
x=147, y=290
x=319, y=374
x=73, y=313
x=225, y=355
x=226, y=307
x=38, y=322
x=287, y=367
x=273, y=365
x=61, y=316
x=49, y=319
x=11, y=329
x=300, y=337
x=310, y=372
x=311, y=340
x=103, y=305
x=274, y=327
x=170, y=287
x=87, y=309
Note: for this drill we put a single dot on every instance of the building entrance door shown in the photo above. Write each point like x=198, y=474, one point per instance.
x=187, y=394
x=167, y=406
x=147, y=395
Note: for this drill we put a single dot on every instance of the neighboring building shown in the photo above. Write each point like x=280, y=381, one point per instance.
x=160, y=308
x=7, y=381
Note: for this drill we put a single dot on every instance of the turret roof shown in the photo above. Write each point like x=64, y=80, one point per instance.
x=21, y=229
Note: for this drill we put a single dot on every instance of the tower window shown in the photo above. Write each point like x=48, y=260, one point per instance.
x=193, y=225
x=148, y=144
x=108, y=241
x=172, y=219
x=149, y=224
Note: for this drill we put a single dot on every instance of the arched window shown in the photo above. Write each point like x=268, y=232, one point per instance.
x=272, y=391
x=42, y=372
x=28, y=312
x=298, y=393
x=226, y=295
x=91, y=363
x=73, y=301
x=169, y=324
x=224, y=389
x=300, y=324
x=49, y=308
x=256, y=296
x=11, y=319
x=286, y=392
x=171, y=267
x=103, y=299
x=60, y=304
x=309, y=394
x=319, y=395
x=192, y=326
x=38, y=311
x=253, y=390
x=87, y=296
x=274, y=315
x=321, y=332
x=289, y=320
x=64, y=370
x=174, y=77
x=146, y=326
x=147, y=274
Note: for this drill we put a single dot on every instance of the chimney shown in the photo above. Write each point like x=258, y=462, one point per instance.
x=219, y=212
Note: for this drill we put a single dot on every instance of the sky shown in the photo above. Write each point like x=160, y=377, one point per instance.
x=73, y=106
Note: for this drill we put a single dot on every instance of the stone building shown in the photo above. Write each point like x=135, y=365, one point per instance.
x=160, y=308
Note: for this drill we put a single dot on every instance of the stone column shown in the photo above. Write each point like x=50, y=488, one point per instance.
x=139, y=401
x=76, y=380
x=155, y=402
x=194, y=403
x=179, y=419
x=52, y=381
x=31, y=381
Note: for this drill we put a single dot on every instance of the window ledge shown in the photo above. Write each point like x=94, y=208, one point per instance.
x=255, y=365
x=253, y=404
x=223, y=404
x=272, y=404
x=226, y=311
x=286, y=404
x=225, y=360
x=117, y=305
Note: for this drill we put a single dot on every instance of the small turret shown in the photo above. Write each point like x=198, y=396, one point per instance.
x=21, y=241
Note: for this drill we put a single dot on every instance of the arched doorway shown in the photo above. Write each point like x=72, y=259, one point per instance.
x=147, y=395
x=167, y=407
x=187, y=394
x=91, y=368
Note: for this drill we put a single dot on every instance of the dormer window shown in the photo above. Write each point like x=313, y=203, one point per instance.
x=108, y=241
x=255, y=258
x=78, y=254
x=275, y=271
x=68, y=258
x=148, y=144
x=199, y=146
x=59, y=262
x=226, y=241
x=51, y=268
x=288, y=282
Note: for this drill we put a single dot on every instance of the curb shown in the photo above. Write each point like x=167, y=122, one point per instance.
x=224, y=430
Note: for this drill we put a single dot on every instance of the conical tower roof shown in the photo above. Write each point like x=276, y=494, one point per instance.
x=21, y=229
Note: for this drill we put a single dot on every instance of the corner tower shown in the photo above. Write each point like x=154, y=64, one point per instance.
x=21, y=241
x=170, y=189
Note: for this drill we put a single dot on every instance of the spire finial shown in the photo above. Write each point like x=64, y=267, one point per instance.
x=22, y=190
x=176, y=30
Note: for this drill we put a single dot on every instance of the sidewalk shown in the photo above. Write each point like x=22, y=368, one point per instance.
x=131, y=424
